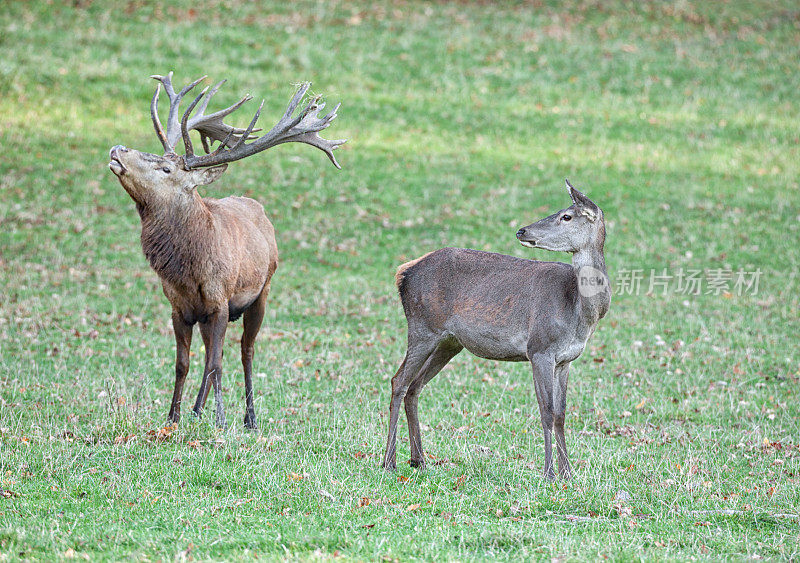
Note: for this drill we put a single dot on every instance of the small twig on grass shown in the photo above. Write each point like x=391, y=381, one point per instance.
x=731, y=512
x=574, y=519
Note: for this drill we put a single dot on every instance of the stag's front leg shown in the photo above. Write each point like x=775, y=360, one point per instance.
x=213, y=333
x=543, y=372
x=183, y=342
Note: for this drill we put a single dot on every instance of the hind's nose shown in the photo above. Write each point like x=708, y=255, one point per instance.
x=521, y=232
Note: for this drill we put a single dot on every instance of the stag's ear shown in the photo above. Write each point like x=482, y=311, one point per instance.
x=204, y=176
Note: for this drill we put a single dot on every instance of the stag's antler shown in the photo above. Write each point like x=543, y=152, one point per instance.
x=233, y=146
x=300, y=129
x=209, y=126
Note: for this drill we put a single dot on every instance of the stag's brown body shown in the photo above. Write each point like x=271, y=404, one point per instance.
x=211, y=255
x=215, y=257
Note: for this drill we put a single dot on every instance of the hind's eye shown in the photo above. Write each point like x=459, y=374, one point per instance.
x=166, y=170
x=566, y=217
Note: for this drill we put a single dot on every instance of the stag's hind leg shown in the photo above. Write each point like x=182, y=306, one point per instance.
x=444, y=352
x=417, y=354
x=253, y=317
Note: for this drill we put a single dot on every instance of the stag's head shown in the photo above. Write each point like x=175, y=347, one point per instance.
x=151, y=178
x=575, y=228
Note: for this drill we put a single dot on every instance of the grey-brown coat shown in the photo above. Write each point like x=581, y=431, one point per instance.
x=504, y=308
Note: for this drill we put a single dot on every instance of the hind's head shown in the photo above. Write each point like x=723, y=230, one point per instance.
x=575, y=228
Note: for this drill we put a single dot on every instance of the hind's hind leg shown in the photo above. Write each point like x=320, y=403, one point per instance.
x=419, y=349
x=444, y=352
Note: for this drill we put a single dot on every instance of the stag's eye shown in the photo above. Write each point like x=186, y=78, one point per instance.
x=566, y=217
x=166, y=170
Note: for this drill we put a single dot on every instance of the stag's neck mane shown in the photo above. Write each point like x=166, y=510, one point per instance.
x=173, y=235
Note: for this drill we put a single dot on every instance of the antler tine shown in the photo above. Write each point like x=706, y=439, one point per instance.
x=229, y=110
x=188, y=87
x=246, y=134
x=332, y=115
x=187, y=141
x=173, y=123
x=211, y=93
x=206, y=143
x=298, y=96
x=166, y=81
x=325, y=145
x=157, y=122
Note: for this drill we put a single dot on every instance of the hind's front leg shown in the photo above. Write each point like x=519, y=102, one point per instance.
x=559, y=414
x=543, y=370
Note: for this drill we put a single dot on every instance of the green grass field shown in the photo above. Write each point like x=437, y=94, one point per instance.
x=680, y=119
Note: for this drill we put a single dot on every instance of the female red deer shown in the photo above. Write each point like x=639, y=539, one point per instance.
x=505, y=308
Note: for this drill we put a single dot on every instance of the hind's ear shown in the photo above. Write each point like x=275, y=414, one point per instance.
x=204, y=176
x=578, y=198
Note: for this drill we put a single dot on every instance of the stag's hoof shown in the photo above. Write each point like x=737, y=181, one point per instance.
x=417, y=463
x=389, y=466
x=250, y=422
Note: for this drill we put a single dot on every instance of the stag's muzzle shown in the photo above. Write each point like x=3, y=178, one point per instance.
x=114, y=154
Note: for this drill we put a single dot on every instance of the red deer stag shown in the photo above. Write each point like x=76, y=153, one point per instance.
x=215, y=257
x=505, y=308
